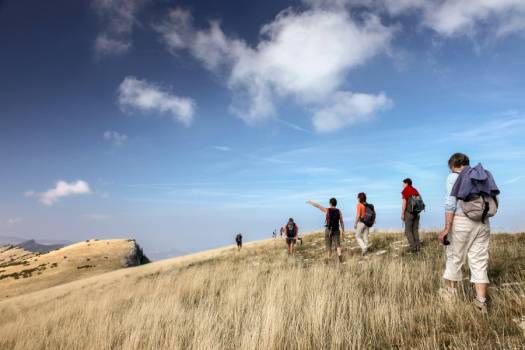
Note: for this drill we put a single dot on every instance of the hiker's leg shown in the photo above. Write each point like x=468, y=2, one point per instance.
x=456, y=251
x=409, y=230
x=366, y=232
x=328, y=243
x=337, y=240
x=359, y=235
x=415, y=230
x=478, y=259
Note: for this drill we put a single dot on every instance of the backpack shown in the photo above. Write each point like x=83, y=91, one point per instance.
x=415, y=205
x=333, y=216
x=480, y=207
x=370, y=215
x=290, y=229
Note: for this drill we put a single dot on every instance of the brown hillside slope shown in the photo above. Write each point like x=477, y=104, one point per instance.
x=260, y=299
x=24, y=272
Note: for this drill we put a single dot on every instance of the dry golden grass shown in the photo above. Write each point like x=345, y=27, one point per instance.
x=260, y=299
x=23, y=272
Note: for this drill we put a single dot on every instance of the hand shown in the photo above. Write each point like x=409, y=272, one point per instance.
x=403, y=217
x=444, y=233
x=311, y=202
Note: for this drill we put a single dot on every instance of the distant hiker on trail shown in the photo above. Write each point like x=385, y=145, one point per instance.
x=471, y=200
x=292, y=231
x=411, y=208
x=274, y=234
x=282, y=230
x=335, y=227
x=364, y=219
x=238, y=240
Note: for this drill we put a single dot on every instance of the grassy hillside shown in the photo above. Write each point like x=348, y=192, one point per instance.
x=22, y=271
x=260, y=299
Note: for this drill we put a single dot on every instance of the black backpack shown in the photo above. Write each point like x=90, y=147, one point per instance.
x=333, y=215
x=370, y=215
x=415, y=204
x=290, y=229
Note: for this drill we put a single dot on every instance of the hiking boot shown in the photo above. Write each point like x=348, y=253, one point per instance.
x=482, y=307
x=340, y=257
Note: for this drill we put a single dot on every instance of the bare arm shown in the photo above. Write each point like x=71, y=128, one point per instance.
x=342, y=223
x=449, y=218
x=357, y=218
x=296, y=231
x=317, y=205
x=403, y=209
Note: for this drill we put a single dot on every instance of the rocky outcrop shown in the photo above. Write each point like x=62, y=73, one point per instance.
x=135, y=257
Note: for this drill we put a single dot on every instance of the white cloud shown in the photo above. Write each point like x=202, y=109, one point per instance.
x=349, y=108
x=13, y=221
x=115, y=137
x=149, y=97
x=222, y=148
x=62, y=189
x=118, y=19
x=452, y=18
x=301, y=55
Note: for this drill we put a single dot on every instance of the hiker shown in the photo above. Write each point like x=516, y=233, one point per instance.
x=411, y=208
x=335, y=227
x=274, y=234
x=471, y=200
x=292, y=230
x=282, y=230
x=238, y=240
x=364, y=219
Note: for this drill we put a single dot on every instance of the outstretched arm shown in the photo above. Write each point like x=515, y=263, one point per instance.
x=317, y=205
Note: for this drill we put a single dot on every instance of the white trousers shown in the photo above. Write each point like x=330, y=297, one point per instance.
x=469, y=240
x=361, y=235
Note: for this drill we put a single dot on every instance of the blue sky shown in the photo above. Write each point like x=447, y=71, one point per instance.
x=181, y=123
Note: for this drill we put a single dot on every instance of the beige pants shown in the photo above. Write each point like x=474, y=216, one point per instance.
x=361, y=235
x=469, y=240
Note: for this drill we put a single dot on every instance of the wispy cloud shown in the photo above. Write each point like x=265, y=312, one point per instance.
x=62, y=189
x=135, y=94
x=115, y=137
x=97, y=216
x=222, y=148
x=293, y=126
x=515, y=179
x=13, y=221
x=118, y=18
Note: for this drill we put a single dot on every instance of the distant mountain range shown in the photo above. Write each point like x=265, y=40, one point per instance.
x=31, y=245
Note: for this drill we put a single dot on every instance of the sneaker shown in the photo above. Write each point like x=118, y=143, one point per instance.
x=482, y=307
x=340, y=257
x=364, y=252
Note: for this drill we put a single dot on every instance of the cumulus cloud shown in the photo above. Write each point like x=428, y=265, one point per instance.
x=115, y=137
x=61, y=189
x=302, y=55
x=349, y=108
x=118, y=18
x=141, y=95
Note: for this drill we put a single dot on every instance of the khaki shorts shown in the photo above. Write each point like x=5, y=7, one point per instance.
x=290, y=240
x=332, y=237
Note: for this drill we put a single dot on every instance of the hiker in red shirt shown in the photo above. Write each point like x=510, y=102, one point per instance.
x=410, y=214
